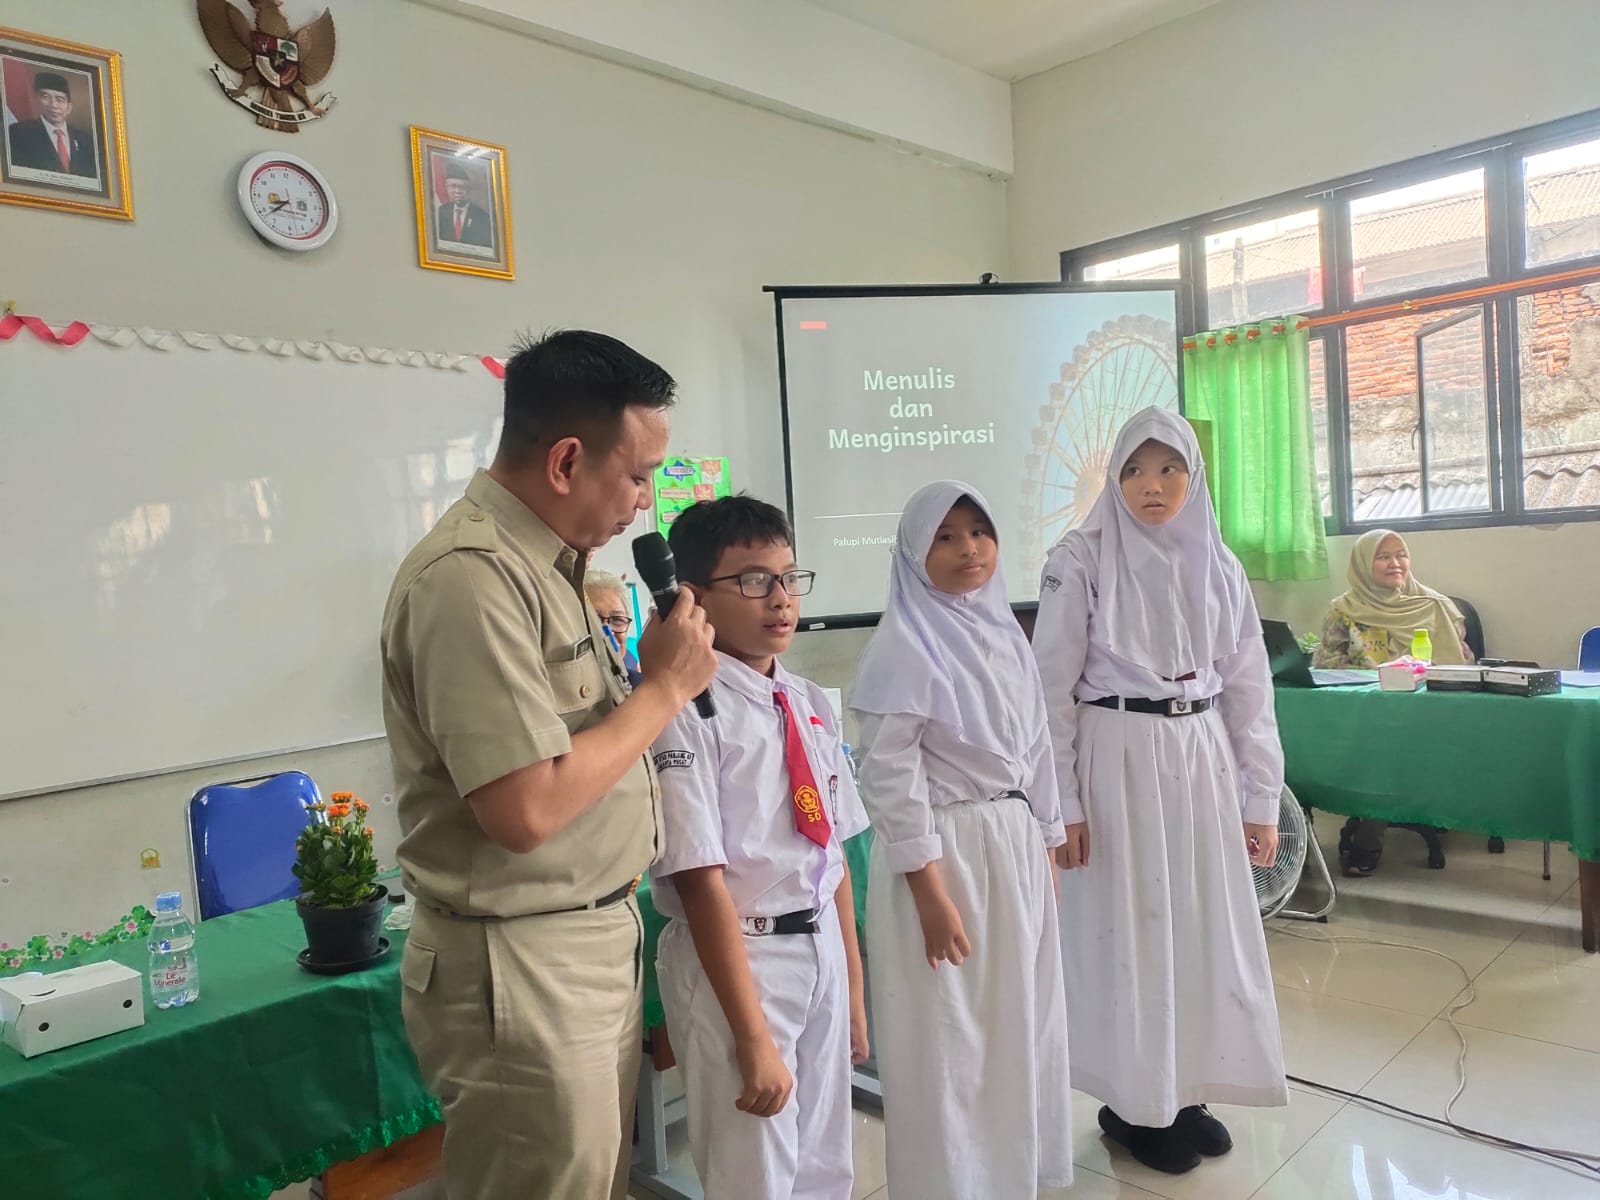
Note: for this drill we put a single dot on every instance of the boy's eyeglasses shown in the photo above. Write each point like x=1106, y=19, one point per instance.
x=758, y=585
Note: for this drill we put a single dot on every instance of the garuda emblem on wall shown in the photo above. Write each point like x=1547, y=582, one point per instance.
x=280, y=64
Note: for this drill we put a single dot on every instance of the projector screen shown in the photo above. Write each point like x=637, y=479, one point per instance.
x=1018, y=390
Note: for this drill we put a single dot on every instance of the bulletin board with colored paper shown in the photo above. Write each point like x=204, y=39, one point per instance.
x=681, y=482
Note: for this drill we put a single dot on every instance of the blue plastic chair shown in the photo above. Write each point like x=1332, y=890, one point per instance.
x=1589, y=650
x=241, y=837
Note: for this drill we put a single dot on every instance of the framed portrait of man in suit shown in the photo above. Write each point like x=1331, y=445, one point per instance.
x=463, y=204
x=63, y=136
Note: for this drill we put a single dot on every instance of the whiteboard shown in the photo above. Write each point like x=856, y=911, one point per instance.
x=195, y=547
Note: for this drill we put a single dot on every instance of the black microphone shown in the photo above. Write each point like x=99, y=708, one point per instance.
x=653, y=559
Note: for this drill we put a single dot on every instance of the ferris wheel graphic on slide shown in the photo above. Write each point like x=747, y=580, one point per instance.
x=1126, y=365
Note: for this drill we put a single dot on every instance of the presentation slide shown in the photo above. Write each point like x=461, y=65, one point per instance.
x=1019, y=392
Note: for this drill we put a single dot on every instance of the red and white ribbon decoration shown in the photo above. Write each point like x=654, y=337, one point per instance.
x=120, y=336
x=11, y=325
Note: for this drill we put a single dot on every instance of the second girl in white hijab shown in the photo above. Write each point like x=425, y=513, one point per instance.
x=962, y=943
x=1166, y=747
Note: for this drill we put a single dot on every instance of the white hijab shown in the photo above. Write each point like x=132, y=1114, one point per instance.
x=1171, y=597
x=925, y=658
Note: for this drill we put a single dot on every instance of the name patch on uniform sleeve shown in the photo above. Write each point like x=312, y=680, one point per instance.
x=668, y=759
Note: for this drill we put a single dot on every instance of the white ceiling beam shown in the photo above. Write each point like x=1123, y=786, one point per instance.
x=788, y=56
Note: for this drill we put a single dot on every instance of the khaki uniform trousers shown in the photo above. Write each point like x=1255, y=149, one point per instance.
x=529, y=1030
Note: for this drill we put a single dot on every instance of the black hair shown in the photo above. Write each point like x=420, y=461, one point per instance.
x=703, y=531
x=574, y=383
x=49, y=81
x=968, y=500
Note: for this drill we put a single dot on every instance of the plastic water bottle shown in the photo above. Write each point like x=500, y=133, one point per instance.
x=1422, y=646
x=174, y=971
x=850, y=758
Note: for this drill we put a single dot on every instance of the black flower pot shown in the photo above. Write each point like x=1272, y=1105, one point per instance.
x=337, y=936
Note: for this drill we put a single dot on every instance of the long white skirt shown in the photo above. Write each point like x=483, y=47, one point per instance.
x=973, y=1059
x=1168, y=984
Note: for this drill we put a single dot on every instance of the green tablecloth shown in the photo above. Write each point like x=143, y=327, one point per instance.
x=271, y=1077
x=1507, y=765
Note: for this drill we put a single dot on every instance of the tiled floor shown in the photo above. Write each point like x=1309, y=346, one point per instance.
x=1371, y=1019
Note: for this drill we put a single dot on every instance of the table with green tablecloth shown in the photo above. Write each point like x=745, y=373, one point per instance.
x=1514, y=766
x=271, y=1077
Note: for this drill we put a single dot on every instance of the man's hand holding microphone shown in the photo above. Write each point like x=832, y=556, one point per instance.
x=675, y=647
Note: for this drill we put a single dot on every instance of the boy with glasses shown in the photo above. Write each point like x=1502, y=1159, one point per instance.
x=757, y=805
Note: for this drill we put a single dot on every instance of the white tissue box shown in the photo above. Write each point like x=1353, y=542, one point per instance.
x=40, y=1013
x=1399, y=677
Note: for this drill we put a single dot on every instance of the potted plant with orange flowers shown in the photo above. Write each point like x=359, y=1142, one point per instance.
x=341, y=904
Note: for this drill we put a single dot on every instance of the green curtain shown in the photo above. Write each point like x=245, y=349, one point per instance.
x=1247, y=391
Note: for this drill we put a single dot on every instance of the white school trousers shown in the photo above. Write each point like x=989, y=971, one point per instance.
x=803, y=1153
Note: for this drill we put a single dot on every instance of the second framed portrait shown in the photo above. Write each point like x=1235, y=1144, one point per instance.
x=463, y=204
x=65, y=142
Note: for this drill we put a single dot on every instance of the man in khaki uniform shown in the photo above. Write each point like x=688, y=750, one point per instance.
x=528, y=807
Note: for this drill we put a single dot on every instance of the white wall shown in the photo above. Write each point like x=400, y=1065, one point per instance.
x=1256, y=97
x=642, y=207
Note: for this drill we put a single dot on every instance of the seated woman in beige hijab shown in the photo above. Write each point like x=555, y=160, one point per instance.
x=1373, y=623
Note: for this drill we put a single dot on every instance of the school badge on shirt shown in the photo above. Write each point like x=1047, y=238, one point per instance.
x=808, y=802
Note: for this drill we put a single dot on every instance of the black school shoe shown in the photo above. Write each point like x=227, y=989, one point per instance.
x=1204, y=1132
x=1163, y=1150
x=1355, y=863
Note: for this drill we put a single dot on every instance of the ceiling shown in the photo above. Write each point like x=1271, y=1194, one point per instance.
x=1011, y=39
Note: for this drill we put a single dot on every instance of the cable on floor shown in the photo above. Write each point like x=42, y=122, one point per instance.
x=1588, y=1163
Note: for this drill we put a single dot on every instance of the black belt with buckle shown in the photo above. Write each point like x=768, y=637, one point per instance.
x=803, y=921
x=606, y=901
x=1154, y=708
x=610, y=898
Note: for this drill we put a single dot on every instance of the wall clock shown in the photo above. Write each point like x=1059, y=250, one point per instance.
x=287, y=201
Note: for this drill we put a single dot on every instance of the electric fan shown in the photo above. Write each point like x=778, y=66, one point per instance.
x=1296, y=845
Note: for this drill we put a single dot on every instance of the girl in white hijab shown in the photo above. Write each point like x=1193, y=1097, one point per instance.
x=962, y=942
x=1166, y=746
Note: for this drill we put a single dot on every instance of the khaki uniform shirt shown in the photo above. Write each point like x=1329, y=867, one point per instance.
x=492, y=660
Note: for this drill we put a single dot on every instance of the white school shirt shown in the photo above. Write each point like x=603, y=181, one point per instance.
x=726, y=799
x=1075, y=669
x=914, y=765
